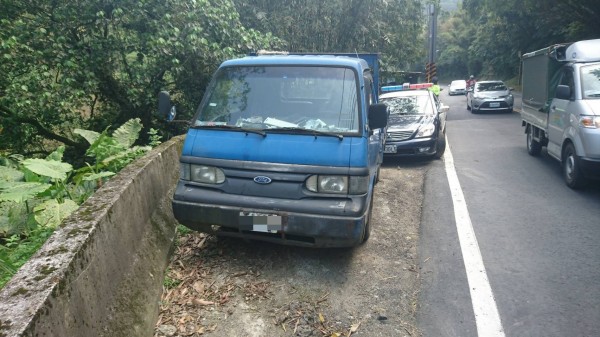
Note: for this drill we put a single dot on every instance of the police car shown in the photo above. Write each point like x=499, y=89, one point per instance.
x=416, y=122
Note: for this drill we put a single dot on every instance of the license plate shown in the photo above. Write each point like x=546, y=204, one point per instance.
x=494, y=105
x=390, y=149
x=260, y=222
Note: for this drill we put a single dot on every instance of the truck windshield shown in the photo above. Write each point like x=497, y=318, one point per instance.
x=590, y=81
x=290, y=97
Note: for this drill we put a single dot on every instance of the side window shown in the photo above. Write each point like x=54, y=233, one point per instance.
x=567, y=79
x=368, y=89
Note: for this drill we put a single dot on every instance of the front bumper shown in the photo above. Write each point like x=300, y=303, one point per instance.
x=419, y=147
x=590, y=168
x=197, y=208
x=492, y=104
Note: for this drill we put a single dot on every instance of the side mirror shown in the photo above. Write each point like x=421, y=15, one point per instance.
x=378, y=116
x=444, y=108
x=563, y=92
x=165, y=109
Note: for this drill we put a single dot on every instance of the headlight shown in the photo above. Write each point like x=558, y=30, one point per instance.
x=338, y=184
x=202, y=173
x=591, y=122
x=426, y=131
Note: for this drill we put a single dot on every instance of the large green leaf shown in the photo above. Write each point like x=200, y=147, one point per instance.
x=51, y=213
x=21, y=191
x=57, y=155
x=98, y=175
x=48, y=168
x=10, y=174
x=128, y=133
x=90, y=136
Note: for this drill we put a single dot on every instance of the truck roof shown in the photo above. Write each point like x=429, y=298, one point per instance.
x=325, y=60
x=581, y=51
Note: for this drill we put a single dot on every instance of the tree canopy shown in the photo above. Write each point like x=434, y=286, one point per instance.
x=487, y=37
x=92, y=64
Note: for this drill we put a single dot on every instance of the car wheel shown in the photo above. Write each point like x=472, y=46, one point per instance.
x=533, y=146
x=510, y=110
x=571, y=168
x=367, y=229
x=440, y=146
x=377, y=175
x=468, y=106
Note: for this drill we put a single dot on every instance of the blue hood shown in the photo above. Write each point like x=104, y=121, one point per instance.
x=276, y=148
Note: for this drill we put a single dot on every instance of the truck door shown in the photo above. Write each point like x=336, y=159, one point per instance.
x=375, y=155
x=558, y=119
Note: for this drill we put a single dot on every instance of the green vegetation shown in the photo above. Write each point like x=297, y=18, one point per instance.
x=37, y=194
x=487, y=37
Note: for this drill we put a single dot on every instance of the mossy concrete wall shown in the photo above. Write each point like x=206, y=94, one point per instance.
x=101, y=272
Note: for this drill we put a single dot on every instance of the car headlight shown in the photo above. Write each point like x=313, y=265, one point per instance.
x=338, y=184
x=201, y=173
x=426, y=130
x=591, y=122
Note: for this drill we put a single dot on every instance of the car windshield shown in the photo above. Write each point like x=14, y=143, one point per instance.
x=491, y=86
x=409, y=105
x=281, y=97
x=590, y=81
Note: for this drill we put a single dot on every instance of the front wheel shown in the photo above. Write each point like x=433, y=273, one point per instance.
x=367, y=229
x=533, y=146
x=571, y=168
x=440, y=146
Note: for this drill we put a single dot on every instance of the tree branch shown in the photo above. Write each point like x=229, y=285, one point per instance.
x=43, y=131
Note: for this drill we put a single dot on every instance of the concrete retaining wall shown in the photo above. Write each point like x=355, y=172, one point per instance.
x=101, y=272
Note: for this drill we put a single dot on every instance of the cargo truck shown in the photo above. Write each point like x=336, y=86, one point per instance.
x=284, y=148
x=561, y=107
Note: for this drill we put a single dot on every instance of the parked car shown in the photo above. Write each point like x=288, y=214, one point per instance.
x=416, y=123
x=490, y=96
x=457, y=87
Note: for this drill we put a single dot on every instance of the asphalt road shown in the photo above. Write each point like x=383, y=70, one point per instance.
x=538, y=239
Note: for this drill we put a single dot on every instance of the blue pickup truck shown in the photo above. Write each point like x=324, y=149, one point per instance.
x=284, y=148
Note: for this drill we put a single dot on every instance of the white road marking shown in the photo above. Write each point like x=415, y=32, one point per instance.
x=487, y=317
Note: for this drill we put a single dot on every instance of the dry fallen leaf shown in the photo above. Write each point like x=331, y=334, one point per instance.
x=199, y=287
x=202, y=302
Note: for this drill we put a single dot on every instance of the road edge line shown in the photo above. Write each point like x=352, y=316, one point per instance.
x=487, y=317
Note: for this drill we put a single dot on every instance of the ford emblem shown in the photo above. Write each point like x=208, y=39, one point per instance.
x=262, y=180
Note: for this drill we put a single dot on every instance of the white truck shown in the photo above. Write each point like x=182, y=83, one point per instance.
x=561, y=107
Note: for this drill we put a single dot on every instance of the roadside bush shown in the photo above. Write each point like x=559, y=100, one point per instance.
x=36, y=194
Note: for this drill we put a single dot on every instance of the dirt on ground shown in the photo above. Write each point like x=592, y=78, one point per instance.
x=228, y=287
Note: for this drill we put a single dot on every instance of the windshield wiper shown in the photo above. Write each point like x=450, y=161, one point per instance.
x=231, y=127
x=307, y=131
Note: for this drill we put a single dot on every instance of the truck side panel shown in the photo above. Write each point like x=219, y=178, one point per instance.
x=535, y=83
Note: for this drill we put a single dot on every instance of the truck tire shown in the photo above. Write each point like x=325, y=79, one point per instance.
x=533, y=146
x=571, y=168
x=367, y=229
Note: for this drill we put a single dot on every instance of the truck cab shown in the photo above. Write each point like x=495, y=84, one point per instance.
x=561, y=107
x=284, y=148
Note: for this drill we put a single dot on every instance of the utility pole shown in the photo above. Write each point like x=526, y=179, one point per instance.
x=430, y=68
